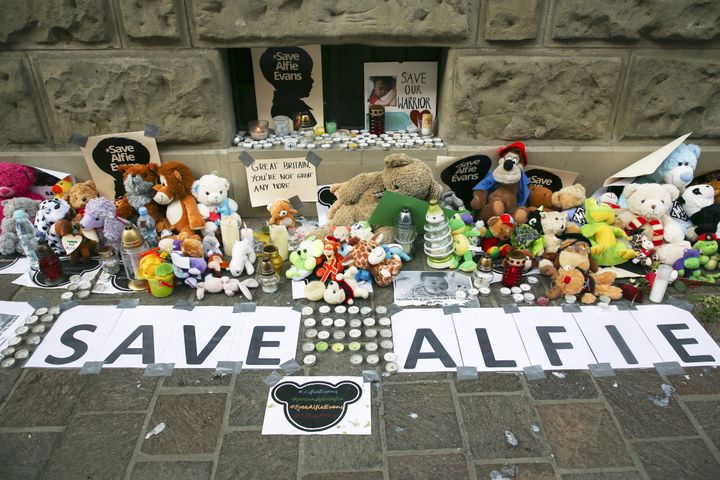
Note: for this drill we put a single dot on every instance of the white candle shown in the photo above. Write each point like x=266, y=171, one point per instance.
x=246, y=234
x=230, y=232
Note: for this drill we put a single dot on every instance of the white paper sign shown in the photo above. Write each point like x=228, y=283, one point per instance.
x=425, y=341
x=14, y=266
x=616, y=338
x=134, y=338
x=319, y=406
x=489, y=342
x=677, y=336
x=271, y=178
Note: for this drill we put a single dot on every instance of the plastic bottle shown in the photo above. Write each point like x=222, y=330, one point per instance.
x=146, y=225
x=26, y=236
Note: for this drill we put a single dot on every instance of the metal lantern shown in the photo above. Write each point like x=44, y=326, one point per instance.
x=405, y=231
x=133, y=245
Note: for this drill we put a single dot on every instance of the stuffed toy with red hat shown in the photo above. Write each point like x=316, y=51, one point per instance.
x=506, y=188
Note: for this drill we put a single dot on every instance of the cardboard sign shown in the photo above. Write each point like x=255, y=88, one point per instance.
x=137, y=337
x=323, y=202
x=461, y=175
x=318, y=405
x=288, y=80
x=551, y=178
x=271, y=178
x=405, y=89
x=105, y=153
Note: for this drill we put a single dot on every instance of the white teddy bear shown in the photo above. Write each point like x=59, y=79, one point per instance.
x=553, y=224
x=211, y=192
x=648, y=207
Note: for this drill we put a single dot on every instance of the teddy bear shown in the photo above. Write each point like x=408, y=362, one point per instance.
x=552, y=224
x=174, y=191
x=243, y=258
x=49, y=213
x=570, y=200
x=608, y=242
x=540, y=196
x=574, y=252
x=79, y=195
x=101, y=214
x=358, y=197
x=15, y=181
x=648, y=207
x=678, y=169
x=282, y=213
x=139, y=180
x=692, y=200
x=495, y=235
x=211, y=193
x=716, y=187
x=9, y=242
x=506, y=188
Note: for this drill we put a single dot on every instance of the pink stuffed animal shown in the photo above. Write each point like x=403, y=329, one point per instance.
x=15, y=181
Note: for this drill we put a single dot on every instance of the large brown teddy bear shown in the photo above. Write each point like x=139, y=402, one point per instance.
x=358, y=197
x=174, y=191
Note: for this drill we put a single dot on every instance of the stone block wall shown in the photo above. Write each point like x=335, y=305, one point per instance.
x=551, y=72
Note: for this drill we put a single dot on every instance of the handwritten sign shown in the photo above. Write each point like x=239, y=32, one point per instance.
x=405, y=89
x=318, y=405
x=105, y=153
x=273, y=178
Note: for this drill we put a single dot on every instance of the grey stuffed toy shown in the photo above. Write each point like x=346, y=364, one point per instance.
x=9, y=243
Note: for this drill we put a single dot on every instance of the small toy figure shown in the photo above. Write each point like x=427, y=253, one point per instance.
x=243, y=258
x=514, y=264
x=282, y=213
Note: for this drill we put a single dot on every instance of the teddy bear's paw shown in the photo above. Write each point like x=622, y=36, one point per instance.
x=588, y=298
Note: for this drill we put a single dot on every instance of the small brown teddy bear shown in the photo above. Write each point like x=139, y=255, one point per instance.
x=540, y=196
x=358, y=197
x=78, y=196
x=282, y=213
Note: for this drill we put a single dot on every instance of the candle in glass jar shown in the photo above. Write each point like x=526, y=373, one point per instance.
x=279, y=238
x=259, y=129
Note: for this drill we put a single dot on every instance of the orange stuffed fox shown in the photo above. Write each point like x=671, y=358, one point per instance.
x=182, y=215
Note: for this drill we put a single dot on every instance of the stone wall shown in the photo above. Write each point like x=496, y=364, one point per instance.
x=577, y=72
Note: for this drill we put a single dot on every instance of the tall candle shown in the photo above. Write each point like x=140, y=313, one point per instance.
x=230, y=231
x=279, y=237
x=246, y=234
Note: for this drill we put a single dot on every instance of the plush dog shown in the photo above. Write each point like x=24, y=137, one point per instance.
x=139, y=180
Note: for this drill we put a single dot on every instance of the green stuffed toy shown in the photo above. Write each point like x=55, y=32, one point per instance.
x=305, y=258
x=707, y=245
x=605, y=248
x=526, y=237
x=462, y=233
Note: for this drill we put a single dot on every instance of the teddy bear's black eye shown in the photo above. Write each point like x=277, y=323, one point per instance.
x=207, y=193
x=396, y=187
x=83, y=199
x=97, y=219
x=663, y=202
x=643, y=201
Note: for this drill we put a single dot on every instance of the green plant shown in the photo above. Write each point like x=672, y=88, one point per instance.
x=707, y=307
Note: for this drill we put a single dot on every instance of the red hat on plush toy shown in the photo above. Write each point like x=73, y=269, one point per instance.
x=519, y=146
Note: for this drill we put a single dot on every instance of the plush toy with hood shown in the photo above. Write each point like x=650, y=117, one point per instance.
x=15, y=182
x=608, y=243
x=648, y=207
x=174, y=191
x=678, y=169
x=506, y=188
x=49, y=213
x=9, y=242
x=211, y=194
x=358, y=197
x=139, y=181
x=282, y=213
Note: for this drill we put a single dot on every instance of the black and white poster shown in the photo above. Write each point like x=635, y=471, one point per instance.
x=434, y=287
x=318, y=406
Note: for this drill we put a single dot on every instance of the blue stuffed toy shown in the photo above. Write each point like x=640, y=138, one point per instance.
x=677, y=169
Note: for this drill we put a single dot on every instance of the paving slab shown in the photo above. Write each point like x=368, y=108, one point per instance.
x=629, y=475
x=517, y=471
x=563, y=385
x=324, y=453
x=489, y=382
x=707, y=414
x=416, y=377
x=697, y=381
x=430, y=467
x=487, y=419
x=43, y=398
x=372, y=475
x=8, y=377
x=638, y=415
x=252, y=456
x=249, y=399
x=195, y=377
x=95, y=446
x=116, y=389
x=192, y=424
x=7, y=288
x=23, y=455
x=420, y=417
x=172, y=471
x=682, y=459
x=583, y=435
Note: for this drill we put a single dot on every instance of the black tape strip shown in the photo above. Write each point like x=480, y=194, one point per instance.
x=296, y=202
x=65, y=306
x=152, y=131
x=91, y=368
x=39, y=302
x=392, y=309
x=246, y=158
x=78, y=139
x=571, y=308
x=680, y=303
x=534, y=372
x=600, y=370
x=467, y=373
x=511, y=308
x=450, y=309
x=313, y=158
x=298, y=307
x=669, y=368
x=624, y=305
x=184, y=305
x=370, y=376
x=245, y=307
x=128, y=303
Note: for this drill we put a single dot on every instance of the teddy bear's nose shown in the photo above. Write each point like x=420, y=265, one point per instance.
x=508, y=165
x=653, y=206
x=567, y=280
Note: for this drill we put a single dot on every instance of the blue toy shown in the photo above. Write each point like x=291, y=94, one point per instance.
x=677, y=169
x=395, y=249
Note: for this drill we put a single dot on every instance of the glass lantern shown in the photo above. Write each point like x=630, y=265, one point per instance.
x=269, y=278
x=405, y=231
x=483, y=274
x=133, y=245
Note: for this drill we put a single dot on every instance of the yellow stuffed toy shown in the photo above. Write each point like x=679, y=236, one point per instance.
x=600, y=229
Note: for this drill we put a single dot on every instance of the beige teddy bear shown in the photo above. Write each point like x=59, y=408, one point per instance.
x=553, y=224
x=569, y=197
x=358, y=197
